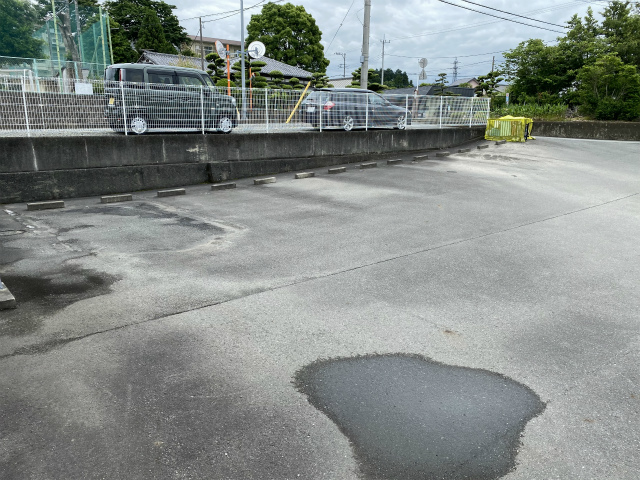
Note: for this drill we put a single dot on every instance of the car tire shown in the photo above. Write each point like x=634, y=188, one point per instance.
x=348, y=123
x=138, y=125
x=401, y=122
x=225, y=124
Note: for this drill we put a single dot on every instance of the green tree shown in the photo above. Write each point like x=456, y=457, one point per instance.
x=151, y=35
x=18, y=20
x=609, y=89
x=290, y=35
x=131, y=15
x=440, y=84
x=373, y=80
x=621, y=31
x=122, y=50
x=488, y=84
x=217, y=67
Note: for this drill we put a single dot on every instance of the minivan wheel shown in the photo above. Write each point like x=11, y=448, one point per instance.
x=347, y=123
x=401, y=123
x=225, y=125
x=138, y=125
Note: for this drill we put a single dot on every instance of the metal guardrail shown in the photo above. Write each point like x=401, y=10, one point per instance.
x=42, y=105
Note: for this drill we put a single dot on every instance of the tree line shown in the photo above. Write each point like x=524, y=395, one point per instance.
x=595, y=67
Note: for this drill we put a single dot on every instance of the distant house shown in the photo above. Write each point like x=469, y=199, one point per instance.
x=288, y=71
x=340, y=82
x=471, y=81
x=209, y=44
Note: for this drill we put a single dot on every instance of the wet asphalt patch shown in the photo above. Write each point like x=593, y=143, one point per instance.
x=410, y=417
x=47, y=293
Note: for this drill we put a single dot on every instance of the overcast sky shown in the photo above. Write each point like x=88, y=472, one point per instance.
x=416, y=28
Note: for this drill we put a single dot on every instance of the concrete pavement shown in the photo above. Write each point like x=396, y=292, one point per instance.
x=160, y=338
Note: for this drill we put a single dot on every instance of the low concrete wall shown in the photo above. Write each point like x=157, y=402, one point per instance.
x=588, y=130
x=49, y=168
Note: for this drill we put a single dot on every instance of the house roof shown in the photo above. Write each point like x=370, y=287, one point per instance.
x=463, y=80
x=194, y=62
x=196, y=38
x=340, y=82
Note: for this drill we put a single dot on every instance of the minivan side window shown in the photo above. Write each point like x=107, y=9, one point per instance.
x=188, y=79
x=160, y=77
x=134, y=75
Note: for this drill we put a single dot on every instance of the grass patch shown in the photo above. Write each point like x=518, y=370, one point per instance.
x=536, y=112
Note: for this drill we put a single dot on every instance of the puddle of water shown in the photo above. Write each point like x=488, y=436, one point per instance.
x=413, y=418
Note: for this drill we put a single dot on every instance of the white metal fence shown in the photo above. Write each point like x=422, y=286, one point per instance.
x=132, y=108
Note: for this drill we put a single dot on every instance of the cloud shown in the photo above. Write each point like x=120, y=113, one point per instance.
x=416, y=28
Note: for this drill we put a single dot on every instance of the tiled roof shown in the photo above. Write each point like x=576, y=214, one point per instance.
x=196, y=38
x=194, y=62
x=464, y=80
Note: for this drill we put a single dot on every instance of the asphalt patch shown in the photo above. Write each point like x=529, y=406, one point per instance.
x=47, y=293
x=410, y=417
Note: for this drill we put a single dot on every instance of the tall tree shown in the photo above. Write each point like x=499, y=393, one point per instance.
x=488, y=84
x=18, y=19
x=131, y=14
x=123, y=52
x=621, y=30
x=610, y=90
x=290, y=35
x=151, y=35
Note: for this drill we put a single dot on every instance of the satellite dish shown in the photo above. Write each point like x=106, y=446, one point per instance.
x=222, y=52
x=256, y=49
x=422, y=62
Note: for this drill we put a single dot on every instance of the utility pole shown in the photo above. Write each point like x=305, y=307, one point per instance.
x=201, y=46
x=364, y=70
x=493, y=62
x=455, y=69
x=344, y=63
x=382, y=74
x=244, y=91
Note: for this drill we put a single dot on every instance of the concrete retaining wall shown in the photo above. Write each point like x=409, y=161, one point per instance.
x=588, y=130
x=49, y=168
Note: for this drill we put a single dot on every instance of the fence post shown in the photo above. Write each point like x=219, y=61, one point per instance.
x=35, y=72
x=266, y=107
x=24, y=103
x=471, y=114
x=366, y=118
x=124, y=110
x=202, y=106
x=320, y=109
x=406, y=112
x=441, y=111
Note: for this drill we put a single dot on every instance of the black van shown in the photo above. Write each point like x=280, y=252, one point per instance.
x=149, y=98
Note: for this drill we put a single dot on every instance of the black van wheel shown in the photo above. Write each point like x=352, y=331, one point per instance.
x=138, y=125
x=225, y=124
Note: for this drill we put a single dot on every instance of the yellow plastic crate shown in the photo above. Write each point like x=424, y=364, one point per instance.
x=511, y=129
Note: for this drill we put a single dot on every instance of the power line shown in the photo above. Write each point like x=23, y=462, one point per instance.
x=232, y=12
x=473, y=25
x=514, y=14
x=496, y=16
x=345, y=17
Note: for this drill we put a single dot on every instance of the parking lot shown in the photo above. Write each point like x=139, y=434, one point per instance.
x=172, y=337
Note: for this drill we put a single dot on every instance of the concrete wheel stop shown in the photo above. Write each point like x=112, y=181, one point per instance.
x=7, y=300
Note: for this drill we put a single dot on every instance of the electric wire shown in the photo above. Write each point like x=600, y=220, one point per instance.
x=514, y=14
x=496, y=16
x=345, y=17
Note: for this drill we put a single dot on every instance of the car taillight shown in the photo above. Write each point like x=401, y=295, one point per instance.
x=329, y=105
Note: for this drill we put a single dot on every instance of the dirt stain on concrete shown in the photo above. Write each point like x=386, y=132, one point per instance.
x=47, y=293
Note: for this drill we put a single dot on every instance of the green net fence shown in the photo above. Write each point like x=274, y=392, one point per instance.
x=75, y=41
